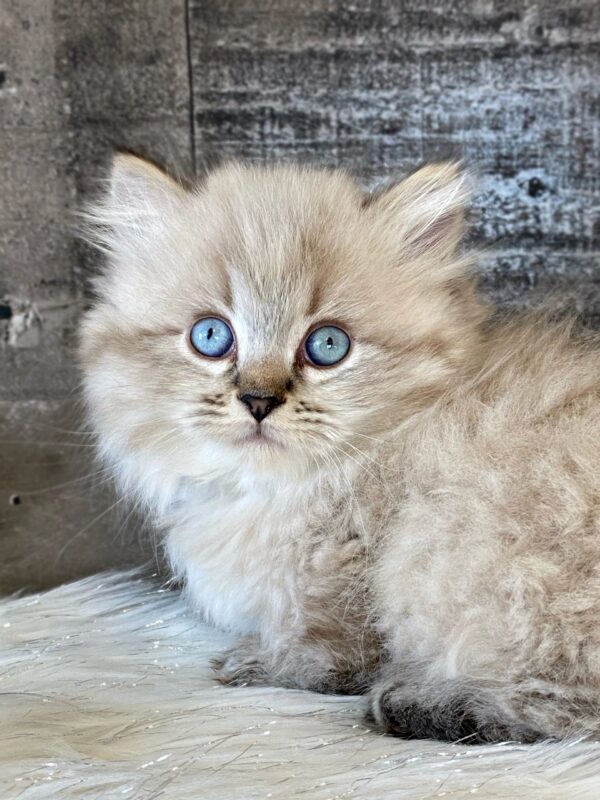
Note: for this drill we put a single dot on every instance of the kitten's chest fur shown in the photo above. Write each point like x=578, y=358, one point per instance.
x=248, y=556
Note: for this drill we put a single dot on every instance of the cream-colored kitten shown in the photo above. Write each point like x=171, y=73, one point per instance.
x=355, y=469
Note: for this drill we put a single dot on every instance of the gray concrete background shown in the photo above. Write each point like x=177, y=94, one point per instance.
x=377, y=86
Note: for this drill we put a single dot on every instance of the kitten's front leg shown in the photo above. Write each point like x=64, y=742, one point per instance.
x=242, y=664
x=327, y=645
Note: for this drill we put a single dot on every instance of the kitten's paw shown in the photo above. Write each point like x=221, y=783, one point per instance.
x=456, y=718
x=241, y=665
x=341, y=682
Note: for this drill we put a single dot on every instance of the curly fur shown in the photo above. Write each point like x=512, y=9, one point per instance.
x=423, y=519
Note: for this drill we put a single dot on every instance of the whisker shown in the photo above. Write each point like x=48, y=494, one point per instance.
x=360, y=452
x=354, y=459
x=136, y=507
x=371, y=438
x=352, y=496
x=45, y=426
x=34, y=492
x=97, y=518
x=37, y=443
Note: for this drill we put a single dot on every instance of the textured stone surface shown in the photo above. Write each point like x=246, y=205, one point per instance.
x=59, y=516
x=376, y=86
x=76, y=77
x=381, y=85
x=80, y=75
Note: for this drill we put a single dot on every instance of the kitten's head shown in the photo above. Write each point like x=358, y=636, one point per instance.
x=271, y=320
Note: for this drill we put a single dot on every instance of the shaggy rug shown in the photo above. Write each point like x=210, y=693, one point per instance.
x=106, y=692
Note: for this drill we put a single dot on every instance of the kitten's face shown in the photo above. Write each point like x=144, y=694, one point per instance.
x=273, y=320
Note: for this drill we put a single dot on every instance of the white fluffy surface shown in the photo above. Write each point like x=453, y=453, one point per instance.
x=106, y=692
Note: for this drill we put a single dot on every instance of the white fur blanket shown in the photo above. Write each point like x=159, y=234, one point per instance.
x=106, y=692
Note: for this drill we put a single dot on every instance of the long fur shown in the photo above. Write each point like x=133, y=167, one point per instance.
x=423, y=519
x=107, y=692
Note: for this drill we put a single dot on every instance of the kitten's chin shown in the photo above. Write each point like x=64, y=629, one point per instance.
x=265, y=451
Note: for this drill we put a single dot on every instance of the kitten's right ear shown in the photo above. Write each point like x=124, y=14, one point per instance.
x=139, y=185
x=136, y=208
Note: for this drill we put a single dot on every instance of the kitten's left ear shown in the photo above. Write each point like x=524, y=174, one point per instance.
x=424, y=213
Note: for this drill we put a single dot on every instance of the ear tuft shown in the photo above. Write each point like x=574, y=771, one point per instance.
x=140, y=200
x=136, y=182
x=425, y=212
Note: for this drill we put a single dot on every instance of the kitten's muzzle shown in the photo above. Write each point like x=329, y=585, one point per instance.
x=260, y=406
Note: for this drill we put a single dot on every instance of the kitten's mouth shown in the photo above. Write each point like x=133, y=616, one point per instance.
x=260, y=438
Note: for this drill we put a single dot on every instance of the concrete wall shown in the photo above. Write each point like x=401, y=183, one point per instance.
x=377, y=86
x=78, y=76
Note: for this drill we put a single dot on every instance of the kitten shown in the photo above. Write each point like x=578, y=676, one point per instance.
x=378, y=487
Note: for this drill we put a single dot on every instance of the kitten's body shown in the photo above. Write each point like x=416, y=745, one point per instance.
x=423, y=519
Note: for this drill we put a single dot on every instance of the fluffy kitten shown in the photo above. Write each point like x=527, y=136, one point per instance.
x=358, y=471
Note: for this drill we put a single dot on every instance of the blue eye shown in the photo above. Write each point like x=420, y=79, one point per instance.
x=327, y=345
x=212, y=337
